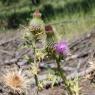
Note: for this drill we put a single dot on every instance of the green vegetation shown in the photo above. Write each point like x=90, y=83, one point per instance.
x=75, y=15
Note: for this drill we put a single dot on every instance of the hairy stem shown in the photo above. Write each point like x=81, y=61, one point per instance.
x=35, y=76
x=62, y=75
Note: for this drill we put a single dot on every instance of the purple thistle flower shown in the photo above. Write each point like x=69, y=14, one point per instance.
x=61, y=48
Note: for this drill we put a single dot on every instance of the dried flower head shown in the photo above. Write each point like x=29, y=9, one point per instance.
x=61, y=48
x=16, y=80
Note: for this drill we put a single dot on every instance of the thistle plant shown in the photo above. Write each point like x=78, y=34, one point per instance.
x=35, y=39
x=50, y=39
x=42, y=41
x=61, y=50
x=37, y=28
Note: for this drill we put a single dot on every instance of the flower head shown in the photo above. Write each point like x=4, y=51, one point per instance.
x=36, y=25
x=16, y=81
x=61, y=48
x=49, y=30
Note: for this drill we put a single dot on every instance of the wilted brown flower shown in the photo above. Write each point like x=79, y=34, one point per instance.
x=16, y=80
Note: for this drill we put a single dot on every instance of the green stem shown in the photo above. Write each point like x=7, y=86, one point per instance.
x=36, y=80
x=35, y=76
x=62, y=75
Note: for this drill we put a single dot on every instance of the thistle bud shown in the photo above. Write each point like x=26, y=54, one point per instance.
x=50, y=40
x=37, y=28
x=51, y=37
x=49, y=30
x=36, y=24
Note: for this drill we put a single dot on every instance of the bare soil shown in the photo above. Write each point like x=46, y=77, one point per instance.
x=83, y=47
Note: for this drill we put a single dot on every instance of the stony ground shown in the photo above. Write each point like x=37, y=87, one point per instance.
x=82, y=48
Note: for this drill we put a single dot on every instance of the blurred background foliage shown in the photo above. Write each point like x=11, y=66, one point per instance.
x=14, y=13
